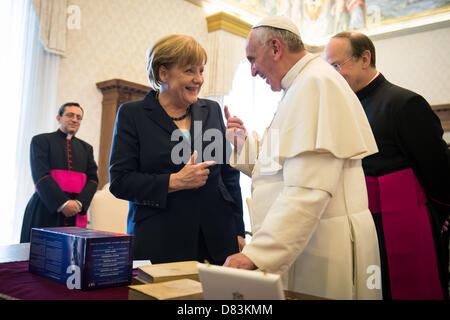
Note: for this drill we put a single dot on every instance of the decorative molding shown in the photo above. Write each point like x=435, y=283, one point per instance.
x=115, y=92
x=198, y=3
x=443, y=112
x=125, y=86
x=227, y=22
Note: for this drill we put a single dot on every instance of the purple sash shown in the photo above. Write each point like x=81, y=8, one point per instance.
x=73, y=182
x=411, y=254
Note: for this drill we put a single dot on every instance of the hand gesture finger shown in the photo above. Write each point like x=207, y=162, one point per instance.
x=227, y=113
x=193, y=157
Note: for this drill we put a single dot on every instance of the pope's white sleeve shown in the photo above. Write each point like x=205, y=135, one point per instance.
x=310, y=180
x=244, y=160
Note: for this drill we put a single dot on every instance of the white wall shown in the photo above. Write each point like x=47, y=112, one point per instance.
x=420, y=62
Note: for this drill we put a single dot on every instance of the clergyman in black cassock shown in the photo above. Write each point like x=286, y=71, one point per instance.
x=60, y=161
x=408, y=180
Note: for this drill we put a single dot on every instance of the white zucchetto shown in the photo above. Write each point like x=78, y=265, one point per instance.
x=279, y=22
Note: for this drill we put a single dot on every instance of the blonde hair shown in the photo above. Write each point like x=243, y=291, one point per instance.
x=173, y=50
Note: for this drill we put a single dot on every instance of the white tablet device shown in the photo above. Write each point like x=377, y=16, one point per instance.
x=222, y=283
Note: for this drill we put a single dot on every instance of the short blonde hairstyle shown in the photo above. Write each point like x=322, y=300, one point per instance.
x=173, y=50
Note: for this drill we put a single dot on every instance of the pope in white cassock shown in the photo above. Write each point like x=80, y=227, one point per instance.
x=310, y=216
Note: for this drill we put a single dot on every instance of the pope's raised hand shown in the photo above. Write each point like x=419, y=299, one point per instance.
x=236, y=132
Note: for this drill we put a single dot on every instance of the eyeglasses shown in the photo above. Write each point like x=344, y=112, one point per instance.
x=71, y=115
x=338, y=66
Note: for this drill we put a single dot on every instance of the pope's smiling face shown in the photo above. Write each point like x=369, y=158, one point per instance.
x=261, y=58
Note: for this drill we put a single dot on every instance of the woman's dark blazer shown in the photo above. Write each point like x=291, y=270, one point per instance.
x=166, y=225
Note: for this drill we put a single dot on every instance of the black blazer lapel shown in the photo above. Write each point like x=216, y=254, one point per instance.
x=199, y=116
x=157, y=114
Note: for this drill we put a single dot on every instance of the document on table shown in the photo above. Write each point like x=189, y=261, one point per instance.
x=140, y=263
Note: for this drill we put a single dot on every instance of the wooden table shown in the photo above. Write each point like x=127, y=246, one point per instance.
x=20, y=253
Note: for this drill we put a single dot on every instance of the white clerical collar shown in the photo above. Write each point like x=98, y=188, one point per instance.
x=69, y=136
x=290, y=76
x=378, y=72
